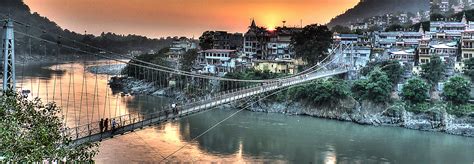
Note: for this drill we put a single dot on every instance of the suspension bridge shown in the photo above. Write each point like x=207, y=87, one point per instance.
x=86, y=97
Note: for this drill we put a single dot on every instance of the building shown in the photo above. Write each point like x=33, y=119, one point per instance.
x=278, y=46
x=398, y=38
x=444, y=51
x=255, y=40
x=276, y=66
x=217, y=61
x=180, y=46
x=227, y=41
x=449, y=30
x=405, y=56
x=467, y=44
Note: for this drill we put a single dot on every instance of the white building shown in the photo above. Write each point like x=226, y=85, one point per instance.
x=181, y=46
x=217, y=61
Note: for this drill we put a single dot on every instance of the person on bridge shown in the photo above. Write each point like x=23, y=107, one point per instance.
x=106, y=124
x=101, y=125
x=114, y=125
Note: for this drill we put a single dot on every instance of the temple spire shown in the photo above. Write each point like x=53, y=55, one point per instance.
x=253, y=25
x=464, y=19
x=421, y=30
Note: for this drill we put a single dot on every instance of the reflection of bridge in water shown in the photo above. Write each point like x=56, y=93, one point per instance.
x=194, y=92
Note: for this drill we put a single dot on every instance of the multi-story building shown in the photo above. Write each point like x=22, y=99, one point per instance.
x=255, y=40
x=276, y=66
x=444, y=51
x=181, y=46
x=278, y=47
x=467, y=45
x=217, y=61
x=406, y=56
x=227, y=41
x=398, y=38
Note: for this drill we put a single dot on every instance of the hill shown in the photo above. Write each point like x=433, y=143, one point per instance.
x=369, y=8
x=19, y=11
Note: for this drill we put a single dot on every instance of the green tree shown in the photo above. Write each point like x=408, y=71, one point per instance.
x=377, y=88
x=469, y=68
x=392, y=68
x=321, y=92
x=341, y=29
x=328, y=91
x=31, y=131
x=433, y=71
x=135, y=68
x=206, y=40
x=457, y=90
x=312, y=43
x=394, y=27
x=188, y=60
x=415, y=91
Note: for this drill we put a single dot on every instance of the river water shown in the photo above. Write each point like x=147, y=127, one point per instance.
x=246, y=137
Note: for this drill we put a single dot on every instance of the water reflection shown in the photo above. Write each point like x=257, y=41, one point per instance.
x=260, y=137
x=83, y=96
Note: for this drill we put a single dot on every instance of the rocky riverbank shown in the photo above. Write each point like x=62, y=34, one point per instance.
x=436, y=120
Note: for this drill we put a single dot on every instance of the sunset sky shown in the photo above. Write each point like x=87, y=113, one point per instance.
x=158, y=18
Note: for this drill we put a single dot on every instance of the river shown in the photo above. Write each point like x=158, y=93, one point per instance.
x=246, y=137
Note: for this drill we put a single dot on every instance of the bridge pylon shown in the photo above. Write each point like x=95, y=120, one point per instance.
x=9, y=79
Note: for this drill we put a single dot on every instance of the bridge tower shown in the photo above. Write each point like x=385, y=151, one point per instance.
x=9, y=80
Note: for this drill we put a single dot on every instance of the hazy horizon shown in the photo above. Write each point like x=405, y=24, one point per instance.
x=164, y=18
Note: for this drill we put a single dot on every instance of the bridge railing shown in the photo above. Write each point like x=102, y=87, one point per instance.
x=196, y=105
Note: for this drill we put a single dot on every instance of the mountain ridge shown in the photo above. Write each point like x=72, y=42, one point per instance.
x=369, y=8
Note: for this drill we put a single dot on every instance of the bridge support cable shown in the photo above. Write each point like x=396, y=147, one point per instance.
x=159, y=66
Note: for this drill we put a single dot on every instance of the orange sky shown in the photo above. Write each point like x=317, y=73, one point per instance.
x=157, y=18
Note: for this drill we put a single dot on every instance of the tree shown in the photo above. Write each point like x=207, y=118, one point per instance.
x=469, y=68
x=321, y=92
x=312, y=43
x=457, y=90
x=376, y=88
x=392, y=68
x=415, y=91
x=328, y=91
x=31, y=131
x=394, y=27
x=433, y=71
x=206, y=40
x=341, y=29
x=188, y=60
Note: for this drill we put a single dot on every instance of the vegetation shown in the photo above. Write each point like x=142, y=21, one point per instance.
x=142, y=73
x=248, y=74
x=188, y=60
x=31, y=131
x=320, y=92
x=206, y=40
x=312, y=43
x=376, y=88
x=415, y=91
x=469, y=68
x=341, y=29
x=457, y=90
x=392, y=69
x=433, y=71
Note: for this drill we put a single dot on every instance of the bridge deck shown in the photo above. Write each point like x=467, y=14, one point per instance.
x=127, y=123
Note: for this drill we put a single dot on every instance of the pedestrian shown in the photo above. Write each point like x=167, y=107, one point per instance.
x=101, y=125
x=166, y=113
x=114, y=124
x=106, y=124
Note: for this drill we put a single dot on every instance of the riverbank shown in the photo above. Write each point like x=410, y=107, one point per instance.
x=367, y=113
